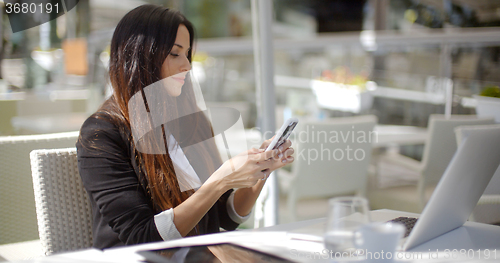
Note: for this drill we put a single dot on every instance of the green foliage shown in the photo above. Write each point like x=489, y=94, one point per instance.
x=491, y=91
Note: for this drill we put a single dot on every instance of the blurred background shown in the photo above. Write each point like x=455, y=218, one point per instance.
x=399, y=60
x=61, y=67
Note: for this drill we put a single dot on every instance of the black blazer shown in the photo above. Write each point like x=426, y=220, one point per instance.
x=122, y=210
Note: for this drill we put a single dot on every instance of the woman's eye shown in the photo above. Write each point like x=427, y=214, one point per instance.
x=175, y=55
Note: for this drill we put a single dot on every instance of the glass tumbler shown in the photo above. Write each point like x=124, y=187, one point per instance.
x=345, y=216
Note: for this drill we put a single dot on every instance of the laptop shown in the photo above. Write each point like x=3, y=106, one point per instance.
x=460, y=188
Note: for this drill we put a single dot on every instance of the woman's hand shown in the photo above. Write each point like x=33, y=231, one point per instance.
x=242, y=171
x=282, y=158
x=244, y=198
x=245, y=169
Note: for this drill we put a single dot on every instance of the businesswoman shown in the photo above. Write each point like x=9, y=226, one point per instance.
x=137, y=195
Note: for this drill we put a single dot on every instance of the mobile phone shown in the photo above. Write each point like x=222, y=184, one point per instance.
x=283, y=134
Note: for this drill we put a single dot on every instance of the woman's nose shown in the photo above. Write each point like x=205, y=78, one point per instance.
x=186, y=65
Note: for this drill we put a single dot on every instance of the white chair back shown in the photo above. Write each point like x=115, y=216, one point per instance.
x=17, y=206
x=441, y=144
x=440, y=147
x=331, y=158
x=62, y=204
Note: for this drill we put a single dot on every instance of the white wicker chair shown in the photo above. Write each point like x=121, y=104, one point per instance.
x=62, y=204
x=17, y=206
x=439, y=149
x=323, y=175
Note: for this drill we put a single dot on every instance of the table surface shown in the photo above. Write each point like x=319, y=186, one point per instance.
x=391, y=135
x=306, y=236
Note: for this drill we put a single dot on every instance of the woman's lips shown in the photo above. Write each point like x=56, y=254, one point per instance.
x=179, y=79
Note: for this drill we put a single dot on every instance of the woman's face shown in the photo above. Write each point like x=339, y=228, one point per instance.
x=176, y=65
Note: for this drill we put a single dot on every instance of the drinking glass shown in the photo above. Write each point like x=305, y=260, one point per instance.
x=345, y=216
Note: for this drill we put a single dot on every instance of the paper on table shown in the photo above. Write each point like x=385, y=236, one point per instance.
x=242, y=238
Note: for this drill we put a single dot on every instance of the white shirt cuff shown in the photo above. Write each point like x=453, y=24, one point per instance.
x=232, y=212
x=164, y=222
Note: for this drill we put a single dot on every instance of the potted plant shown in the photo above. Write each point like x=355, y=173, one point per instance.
x=488, y=102
x=342, y=90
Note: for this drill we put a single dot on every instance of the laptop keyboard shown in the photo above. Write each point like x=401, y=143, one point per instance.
x=408, y=222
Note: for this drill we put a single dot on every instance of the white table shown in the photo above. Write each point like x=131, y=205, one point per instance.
x=392, y=135
x=50, y=123
x=303, y=236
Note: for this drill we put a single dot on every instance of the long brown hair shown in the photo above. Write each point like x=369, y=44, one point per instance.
x=141, y=42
